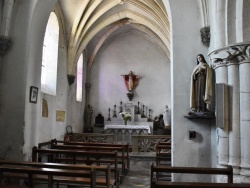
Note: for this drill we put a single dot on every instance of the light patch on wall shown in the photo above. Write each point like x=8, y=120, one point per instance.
x=45, y=109
x=60, y=115
x=79, y=79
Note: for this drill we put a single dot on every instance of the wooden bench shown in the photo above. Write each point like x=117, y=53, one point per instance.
x=122, y=171
x=123, y=150
x=105, y=181
x=88, y=147
x=13, y=186
x=162, y=184
x=31, y=173
x=80, y=157
x=155, y=182
x=45, y=145
x=163, y=153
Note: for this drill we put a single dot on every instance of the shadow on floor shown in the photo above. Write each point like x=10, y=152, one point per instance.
x=139, y=174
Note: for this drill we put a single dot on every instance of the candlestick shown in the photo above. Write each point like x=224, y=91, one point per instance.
x=143, y=115
x=138, y=109
x=109, y=116
x=149, y=116
x=114, y=111
x=121, y=107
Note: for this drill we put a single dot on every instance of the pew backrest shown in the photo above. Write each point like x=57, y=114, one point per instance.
x=102, y=168
x=164, y=184
x=75, y=156
x=190, y=170
x=124, y=149
x=32, y=171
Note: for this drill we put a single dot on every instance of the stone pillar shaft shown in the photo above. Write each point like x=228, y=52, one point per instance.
x=234, y=114
x=245, y=117
x=237, y=59
x=6, y=18
x=223, y=145
x=220, y=23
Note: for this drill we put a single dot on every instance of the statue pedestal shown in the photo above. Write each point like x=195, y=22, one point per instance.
x=200, y=115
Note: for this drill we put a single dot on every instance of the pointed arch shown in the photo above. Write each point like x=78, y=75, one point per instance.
x=50, y=56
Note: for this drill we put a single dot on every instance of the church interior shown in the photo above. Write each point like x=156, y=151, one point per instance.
x=140, y=72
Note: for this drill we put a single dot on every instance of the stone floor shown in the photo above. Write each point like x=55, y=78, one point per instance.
x=139, y=174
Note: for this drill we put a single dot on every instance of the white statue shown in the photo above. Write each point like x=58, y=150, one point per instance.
x=166, y=117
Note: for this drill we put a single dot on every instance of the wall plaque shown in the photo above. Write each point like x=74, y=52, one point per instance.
x=60, y=115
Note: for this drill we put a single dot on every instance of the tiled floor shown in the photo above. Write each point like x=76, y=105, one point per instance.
x=139, y=174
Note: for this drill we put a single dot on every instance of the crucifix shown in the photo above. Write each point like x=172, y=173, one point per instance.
x=131, y=81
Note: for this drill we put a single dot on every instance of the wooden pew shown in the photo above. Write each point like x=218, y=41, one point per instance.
x=76, y=157
x=105, y=169
x=45, y=145
x=163, y=153
x=155, y=182
x=122, y=171
x=119, y=149
x=30, y=173
x=162, y=184
x=13, y=186
x=125, y=157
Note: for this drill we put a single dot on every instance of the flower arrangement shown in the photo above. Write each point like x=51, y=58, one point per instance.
x=125, y=116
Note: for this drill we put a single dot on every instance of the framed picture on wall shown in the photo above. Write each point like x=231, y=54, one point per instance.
x=33, y=94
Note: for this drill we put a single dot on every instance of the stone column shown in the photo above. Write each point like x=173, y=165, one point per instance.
x=222, y=134
x=244, y=68
x=5, y=19
x=7, y=11
x=220, y=9
x=229, y=138
x=234, y=114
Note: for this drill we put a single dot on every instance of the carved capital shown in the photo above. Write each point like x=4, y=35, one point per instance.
x=228, y=55
x=5, y=44
x=205, y=36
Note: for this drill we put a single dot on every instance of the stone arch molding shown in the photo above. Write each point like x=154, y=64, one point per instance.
x=142, y=30
x=94, y=16
x=135, y=18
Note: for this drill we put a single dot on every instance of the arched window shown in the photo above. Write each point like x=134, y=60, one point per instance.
x=79, y=78
x=50, y=56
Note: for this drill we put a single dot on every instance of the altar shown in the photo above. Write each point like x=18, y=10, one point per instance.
x=123, y=133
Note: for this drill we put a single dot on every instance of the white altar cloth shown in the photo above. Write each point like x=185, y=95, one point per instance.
x=123, y=133
x=147, y=127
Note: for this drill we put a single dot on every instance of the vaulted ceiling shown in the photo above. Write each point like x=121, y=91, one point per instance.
x=89, y=24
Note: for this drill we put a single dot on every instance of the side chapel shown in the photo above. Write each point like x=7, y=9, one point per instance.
x=64, y=62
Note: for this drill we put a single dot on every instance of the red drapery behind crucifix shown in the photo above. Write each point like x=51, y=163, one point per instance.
x=131, y=80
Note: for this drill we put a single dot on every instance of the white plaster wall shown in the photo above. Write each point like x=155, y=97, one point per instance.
x=136, y=53
x=65, y=100
x=186, y=44
x=38, y=21
x=21, y=124
x=13, y=85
